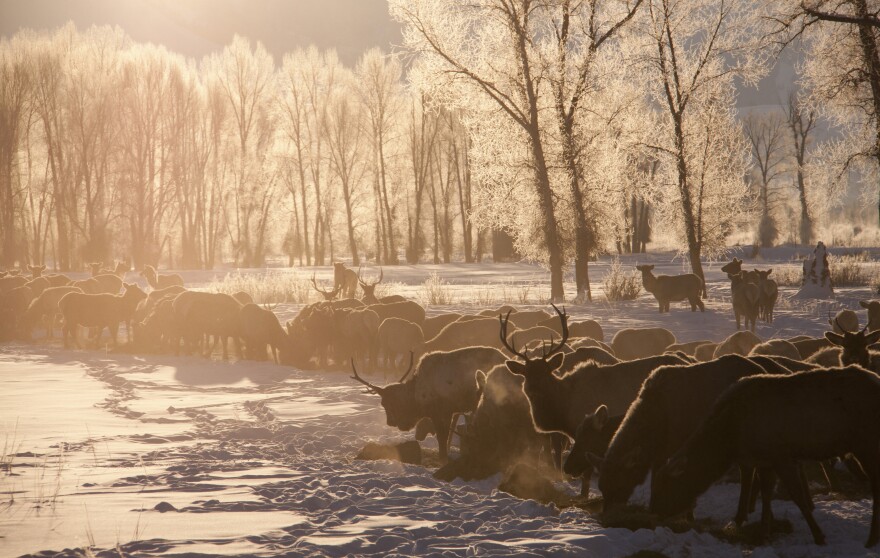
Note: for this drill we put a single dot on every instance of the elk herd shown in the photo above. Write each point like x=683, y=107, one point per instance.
x=532, y=387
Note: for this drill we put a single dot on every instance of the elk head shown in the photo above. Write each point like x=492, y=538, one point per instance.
x=398, y=399
x=95, y=268
x=732, y=268
x=854, y=345
x=328, y=295
x=36, y=270
x=535, y=369
x=370, y=288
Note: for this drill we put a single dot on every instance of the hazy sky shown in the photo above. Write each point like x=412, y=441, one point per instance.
x=197, y=27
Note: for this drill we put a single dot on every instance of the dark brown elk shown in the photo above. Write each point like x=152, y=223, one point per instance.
x=558, y=403
x=44, y=309
x=12, y=282
x=775, y=422
x=591, y=439
x=769, y=293
x=746, y=299
x=99, y=311
x=160, y=280
x=442, y=387
x=259, y=328
x=146, y=305
x=158, y=329
x=500, y=433
x=669, y=408
x=325, y=294
x=854, y=347
x=369, y=289
x=673, y=288
x=344, y=280
x=208, y=314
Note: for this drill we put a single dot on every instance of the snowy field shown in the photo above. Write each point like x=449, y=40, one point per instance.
x=158, y=455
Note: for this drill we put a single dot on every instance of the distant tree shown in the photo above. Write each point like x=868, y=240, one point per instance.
x=802, y=124
x=691, y=54
x=767, y=135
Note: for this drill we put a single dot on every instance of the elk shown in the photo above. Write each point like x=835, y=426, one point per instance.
x=99, y=310
x=442, y=387
x=558, y=403
x=160, y=280
x=36, y=270
x=854, y=347
x=636, y=343
x=344, y=279
x=260, y=327
x=369, y=289
x=397, y=337
x=761, y=421
x=873, y=308
x=673, y=288
x=500, y=432
x=201, y=314
x=44, y=308
x=327, y=295
x=669, y=407
x=746, y=298
x=845, y=320
x=769, y=292
x=738, y=343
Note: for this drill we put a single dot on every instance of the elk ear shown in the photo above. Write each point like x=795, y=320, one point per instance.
x=556, y=361
x=481, y=380
x=600, y=416
x=768, y=272
x=872, y=337
x=834, y=338
x=516, y=367
x=864, y=303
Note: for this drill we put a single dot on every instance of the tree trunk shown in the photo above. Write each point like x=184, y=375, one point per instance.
x=545, y=201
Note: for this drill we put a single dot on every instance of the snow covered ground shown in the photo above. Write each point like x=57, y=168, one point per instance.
x=152, y=455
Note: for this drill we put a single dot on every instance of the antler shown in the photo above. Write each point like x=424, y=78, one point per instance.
x=365, y=284
x=503, y=334
x=408, y=370
x=328, y=295
x=370, y=387
x=563, y=318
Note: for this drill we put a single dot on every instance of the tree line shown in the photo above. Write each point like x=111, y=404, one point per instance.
x=578, y=127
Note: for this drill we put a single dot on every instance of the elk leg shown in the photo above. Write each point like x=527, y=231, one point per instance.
x=443, y=426
x=767, y=478
x=746, y=483
x=557, y=441
x=870, y=462
x=805, y=486
x=788, y=474
x=585, y=483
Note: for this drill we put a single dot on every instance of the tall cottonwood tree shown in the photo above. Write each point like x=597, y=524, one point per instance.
x=767, y=136
x=502, y=67
x=691, y=53
x=379, y=77
x=801, y=123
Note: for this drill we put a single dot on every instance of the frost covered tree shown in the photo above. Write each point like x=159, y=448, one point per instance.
x=500, y=69
x=692, y=52
x=767, y=135
x=802, y=125
x=841, y=79
x=580, y=30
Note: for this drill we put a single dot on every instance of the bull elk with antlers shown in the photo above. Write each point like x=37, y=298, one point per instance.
x=443, y=386
x=328, y=295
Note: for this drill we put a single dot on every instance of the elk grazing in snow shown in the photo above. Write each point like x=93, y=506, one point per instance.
x=442, y=387
x=558, y=403
x=99, y=310
x=673, y=288
x=774, y=422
